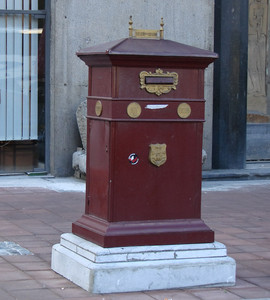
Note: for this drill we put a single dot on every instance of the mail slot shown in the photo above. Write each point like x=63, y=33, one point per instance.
x=145, y=117
x=159, y=80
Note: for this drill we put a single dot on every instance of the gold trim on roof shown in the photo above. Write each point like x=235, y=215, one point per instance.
x=146, y=33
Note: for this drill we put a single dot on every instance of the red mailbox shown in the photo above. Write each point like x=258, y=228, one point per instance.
x=145, y=117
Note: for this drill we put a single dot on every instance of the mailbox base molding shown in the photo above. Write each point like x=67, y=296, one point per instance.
x=139, y=233
x=142, y=268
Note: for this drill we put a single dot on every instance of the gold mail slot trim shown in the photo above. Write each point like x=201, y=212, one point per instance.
x=159, y=82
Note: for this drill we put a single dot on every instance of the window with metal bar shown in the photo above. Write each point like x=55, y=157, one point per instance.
x=20, y=34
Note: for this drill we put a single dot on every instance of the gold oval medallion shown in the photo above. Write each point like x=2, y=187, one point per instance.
x=98, y=108
x=134, y=110
x=184, y=110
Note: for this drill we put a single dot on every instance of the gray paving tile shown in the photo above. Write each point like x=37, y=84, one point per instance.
x=239, y=217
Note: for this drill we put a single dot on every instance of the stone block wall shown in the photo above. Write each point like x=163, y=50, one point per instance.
x=80, y=24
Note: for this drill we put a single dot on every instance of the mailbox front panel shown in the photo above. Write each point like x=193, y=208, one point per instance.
x=190, y=83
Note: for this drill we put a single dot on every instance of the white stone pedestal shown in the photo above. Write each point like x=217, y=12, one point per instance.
x=142, y=268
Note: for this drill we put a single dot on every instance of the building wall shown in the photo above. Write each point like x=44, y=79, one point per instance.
x=258, y=103
x=79, y=24
x=258, y=87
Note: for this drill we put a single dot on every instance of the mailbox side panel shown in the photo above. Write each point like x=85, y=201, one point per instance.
x=98, y=168
x=101, y=79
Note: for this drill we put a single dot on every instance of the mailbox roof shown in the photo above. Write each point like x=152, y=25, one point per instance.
x=147, y=47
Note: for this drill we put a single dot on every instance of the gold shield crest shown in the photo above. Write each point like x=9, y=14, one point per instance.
x=157, y=154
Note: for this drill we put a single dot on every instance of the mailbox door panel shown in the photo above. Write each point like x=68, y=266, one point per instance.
x=145, y=191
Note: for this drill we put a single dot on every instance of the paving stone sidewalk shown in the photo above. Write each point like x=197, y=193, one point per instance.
x=32, y=219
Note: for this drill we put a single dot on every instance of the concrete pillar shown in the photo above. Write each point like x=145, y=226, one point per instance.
x=230, y=84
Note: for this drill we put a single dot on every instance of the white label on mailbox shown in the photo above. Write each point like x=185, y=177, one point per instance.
x=156, y=106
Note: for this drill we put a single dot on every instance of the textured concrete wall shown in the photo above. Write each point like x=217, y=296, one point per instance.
x=79, y=24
